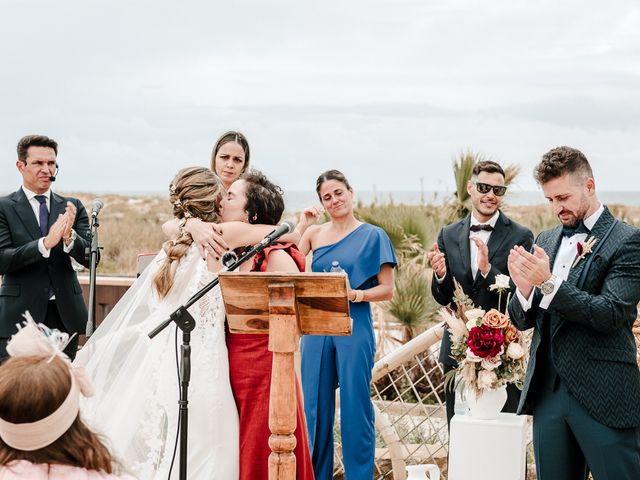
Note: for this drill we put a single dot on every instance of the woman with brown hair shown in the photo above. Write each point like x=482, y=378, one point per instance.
x=41, y=432
x=229, y=159
x=366, y=254
x=254, y=199
x=137, y=393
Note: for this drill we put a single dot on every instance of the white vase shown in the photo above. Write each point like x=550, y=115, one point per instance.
x=488, y=404
x=419, y=472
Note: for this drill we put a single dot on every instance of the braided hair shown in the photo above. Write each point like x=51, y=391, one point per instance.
x=194, y=192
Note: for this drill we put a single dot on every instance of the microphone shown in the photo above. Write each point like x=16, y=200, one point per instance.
x=52, y=178
x=228, y=259
x=282, y=229
x=97, y=206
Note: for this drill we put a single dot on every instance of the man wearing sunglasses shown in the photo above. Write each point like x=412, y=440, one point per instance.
x=473, y=251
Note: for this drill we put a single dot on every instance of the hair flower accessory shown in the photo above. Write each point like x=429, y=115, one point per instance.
x=584, y=249
x=36, y=339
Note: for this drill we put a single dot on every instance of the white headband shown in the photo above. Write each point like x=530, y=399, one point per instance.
x=37, y=340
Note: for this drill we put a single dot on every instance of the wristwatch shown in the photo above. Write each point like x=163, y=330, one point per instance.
x=548, y=285
x=72, y=236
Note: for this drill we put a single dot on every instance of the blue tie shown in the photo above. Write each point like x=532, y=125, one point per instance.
x=43, y=214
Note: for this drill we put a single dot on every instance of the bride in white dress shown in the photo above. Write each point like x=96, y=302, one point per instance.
x=135, y=378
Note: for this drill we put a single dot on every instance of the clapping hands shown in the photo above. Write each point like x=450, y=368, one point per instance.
x=62, y=227
x=483, y=255
x=528, y=269
x=437, y=261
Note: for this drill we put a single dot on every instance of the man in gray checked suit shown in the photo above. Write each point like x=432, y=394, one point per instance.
x=579, y=289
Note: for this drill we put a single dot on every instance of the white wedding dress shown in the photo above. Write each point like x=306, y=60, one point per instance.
x=136, y=402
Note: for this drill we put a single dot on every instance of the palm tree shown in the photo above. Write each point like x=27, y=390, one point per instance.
x=412, y=305
x=462, y=171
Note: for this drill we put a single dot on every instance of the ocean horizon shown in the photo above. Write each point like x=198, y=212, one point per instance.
x=296, y=200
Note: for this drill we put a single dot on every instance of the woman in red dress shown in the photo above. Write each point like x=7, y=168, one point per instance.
x=254, y=199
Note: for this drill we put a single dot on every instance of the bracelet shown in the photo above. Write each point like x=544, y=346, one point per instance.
x=359, y=296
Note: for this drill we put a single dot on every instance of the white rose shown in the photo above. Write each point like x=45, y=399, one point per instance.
x=471, y=324
x=515, y=351
x=490, y=363
x=486, y=379
x=472, y=357
x=502, y=282
x=473, y=316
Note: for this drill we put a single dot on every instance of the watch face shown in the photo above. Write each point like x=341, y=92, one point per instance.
x=547, y=287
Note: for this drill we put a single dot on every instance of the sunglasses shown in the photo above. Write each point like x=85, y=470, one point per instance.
x=498, y=190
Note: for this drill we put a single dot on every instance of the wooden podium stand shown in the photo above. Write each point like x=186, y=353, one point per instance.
x=285, y=306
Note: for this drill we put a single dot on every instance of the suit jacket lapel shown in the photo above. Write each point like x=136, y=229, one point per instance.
x=498, y=236
x=26, y=214
x=465, y=249
x=552, y=244
x=599, y=231
x=57, y=206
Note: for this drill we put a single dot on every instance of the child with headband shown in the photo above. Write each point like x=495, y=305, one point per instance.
x=41, y=433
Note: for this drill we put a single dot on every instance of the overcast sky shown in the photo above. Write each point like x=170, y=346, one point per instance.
x=387, y=91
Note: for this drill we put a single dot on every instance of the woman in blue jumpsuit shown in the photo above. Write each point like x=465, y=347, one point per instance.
x=365, y=253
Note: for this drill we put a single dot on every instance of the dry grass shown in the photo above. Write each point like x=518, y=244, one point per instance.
x=131, y=225
x=540, y=217
x=128, y=226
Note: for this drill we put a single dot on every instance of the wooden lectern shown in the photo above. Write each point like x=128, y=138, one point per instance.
x=285, y=306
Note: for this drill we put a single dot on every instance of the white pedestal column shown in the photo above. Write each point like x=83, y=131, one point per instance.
x=488, y=449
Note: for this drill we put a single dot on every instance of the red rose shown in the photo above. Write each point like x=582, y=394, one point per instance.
x=485, y=341
x=579, y=249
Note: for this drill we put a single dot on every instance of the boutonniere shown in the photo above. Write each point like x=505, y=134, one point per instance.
x=584, y=249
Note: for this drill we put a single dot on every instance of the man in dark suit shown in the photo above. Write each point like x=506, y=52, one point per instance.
x=40, y=232
x=579, y=290
x=473, y=251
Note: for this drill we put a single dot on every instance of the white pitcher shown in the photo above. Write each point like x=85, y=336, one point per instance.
x=419, y=472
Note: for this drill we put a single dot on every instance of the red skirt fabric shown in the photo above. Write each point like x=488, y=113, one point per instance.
x=250, y=372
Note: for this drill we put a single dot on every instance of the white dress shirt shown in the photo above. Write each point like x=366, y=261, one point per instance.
x=473, y=249
x=35, y=205
x=565, y=258
x=482, y=235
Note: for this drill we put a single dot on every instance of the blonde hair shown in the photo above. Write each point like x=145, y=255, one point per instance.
x=194, y=192
x=32, y=388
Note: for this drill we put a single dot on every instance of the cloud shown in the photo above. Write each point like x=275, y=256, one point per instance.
x=388, y=91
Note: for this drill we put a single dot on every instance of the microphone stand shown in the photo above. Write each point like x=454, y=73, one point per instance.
x=186, y=323
x=93, y=253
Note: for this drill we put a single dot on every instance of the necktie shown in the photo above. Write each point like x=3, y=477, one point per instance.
x=43, y=214
x=483, y=226
x=575, y=230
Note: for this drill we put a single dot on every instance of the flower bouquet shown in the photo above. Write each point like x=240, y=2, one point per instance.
x=486, y=345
